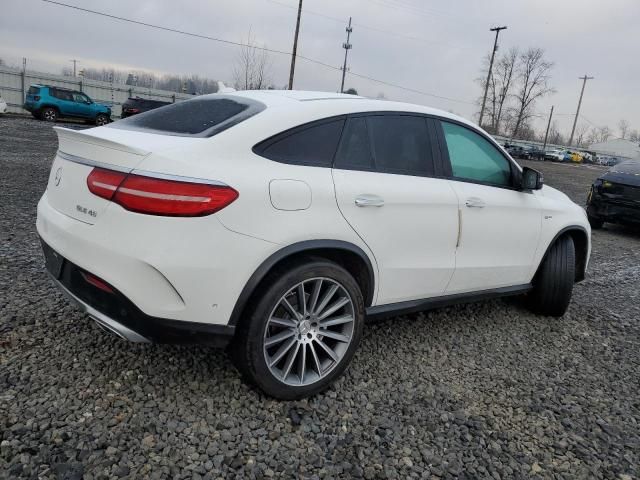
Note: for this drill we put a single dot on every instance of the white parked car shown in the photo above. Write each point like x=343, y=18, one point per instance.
x=3, y=106
x=277, y=221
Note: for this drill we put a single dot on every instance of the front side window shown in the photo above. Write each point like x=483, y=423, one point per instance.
x=475, y=158
x=313, y=145
x=80, y=97
x=33, y=90
x=386, y=143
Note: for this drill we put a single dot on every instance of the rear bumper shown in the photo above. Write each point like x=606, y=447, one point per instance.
x=117, y=314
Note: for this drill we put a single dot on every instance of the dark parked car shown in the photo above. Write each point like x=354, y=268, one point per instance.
x=533, y=152
x=615, y=196
x=137, y=105
x=516, y=151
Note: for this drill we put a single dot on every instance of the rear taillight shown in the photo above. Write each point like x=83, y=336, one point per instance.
x=131, y=110
x=158, y=196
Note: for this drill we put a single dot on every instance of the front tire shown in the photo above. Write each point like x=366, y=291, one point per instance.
x=101, y=119
x=303, y=331
x=553, y=284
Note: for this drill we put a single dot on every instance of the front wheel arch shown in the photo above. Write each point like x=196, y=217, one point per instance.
x=581, y=243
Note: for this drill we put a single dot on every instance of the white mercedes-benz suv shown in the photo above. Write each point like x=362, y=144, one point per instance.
x=276, y=222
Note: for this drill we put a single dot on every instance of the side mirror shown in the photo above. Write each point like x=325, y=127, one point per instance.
x=531, y=179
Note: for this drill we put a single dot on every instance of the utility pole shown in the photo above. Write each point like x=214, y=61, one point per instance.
x=74, y=67
x=347, y=47
x=546, y=135
x=575, y=120
x=295, y=47
x=486, y=87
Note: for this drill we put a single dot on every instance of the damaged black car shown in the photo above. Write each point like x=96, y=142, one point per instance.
x=615, y=196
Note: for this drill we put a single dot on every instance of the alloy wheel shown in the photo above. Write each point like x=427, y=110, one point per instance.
x=309, y=331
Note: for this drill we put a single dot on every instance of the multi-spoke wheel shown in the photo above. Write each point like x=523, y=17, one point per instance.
x=49, y=114
x=303, y=331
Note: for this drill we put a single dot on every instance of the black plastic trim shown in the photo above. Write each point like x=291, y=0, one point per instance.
x=123, y=311
x=299, y=247
x=402, y=308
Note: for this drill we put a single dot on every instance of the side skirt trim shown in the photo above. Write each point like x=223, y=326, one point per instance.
x=401, y=308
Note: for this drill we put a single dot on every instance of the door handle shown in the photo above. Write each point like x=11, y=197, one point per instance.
x=475, y=202
x=366, y=200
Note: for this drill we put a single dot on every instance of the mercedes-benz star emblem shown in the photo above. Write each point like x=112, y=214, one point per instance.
x=58, y=178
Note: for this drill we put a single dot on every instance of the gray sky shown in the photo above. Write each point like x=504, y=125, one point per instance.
x=442, y=55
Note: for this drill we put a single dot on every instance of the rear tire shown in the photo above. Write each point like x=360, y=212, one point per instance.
x=49, y=114
x=299, y=365
x=553, y=284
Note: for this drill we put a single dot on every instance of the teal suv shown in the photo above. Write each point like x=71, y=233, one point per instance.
x=50, y=103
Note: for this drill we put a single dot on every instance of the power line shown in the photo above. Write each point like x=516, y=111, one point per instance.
x=240, y=44
x=367, y=27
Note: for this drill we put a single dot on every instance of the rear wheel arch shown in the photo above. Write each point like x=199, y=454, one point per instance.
x=581, y=243
x=349, y=256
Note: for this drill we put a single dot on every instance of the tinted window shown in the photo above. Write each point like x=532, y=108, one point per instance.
x=354, y=151
x=386, y=143
x=34, y=90
x=312, y=145
x=202, y=117
x=62, y=94
x=475, y=158
x=401, y=144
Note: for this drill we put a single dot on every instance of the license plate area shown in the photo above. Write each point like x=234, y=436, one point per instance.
x=53, y=260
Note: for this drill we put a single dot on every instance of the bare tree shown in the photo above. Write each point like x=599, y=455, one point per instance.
x=500, y=84
x=634, y=136
x=580, y=137
x=623, y=126
x=251, y=71
x=599, y=134
x=533, y=83
x=555, y=137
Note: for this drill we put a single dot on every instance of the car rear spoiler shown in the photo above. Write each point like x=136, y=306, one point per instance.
x=67, y=135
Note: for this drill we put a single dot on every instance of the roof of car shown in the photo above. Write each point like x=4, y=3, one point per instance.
x=357, y=103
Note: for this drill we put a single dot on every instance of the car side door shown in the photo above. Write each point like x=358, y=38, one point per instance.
x=82, y=107
x=65, y=102
x=500, y=224
x=387, y=187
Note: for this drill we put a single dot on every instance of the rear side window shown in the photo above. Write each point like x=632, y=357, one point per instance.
x=199, y=117
x=475, y=158
x=314, y=144
x=61, y=94
x=33, y=90
x=401, y=144
x=354, y=152
x=387, y=143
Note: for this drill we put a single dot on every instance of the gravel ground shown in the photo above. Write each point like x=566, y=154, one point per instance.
x=480, y=391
